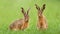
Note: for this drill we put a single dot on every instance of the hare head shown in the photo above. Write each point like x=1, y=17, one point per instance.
x=40, y=10
x=26, y=16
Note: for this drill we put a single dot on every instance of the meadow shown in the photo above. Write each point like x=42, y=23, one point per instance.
x=10, y=10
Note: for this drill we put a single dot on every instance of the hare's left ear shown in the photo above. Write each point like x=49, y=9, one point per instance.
x=28, y=10
x=43, y=7
x=22, y=10
x=37, y=7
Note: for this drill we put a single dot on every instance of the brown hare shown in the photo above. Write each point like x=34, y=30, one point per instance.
x=21, y=24
x=42, y=23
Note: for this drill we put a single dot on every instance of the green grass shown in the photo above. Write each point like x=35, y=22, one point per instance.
x=10, y=11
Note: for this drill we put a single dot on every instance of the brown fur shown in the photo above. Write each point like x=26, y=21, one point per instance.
x=42, y=23
x=20, y=24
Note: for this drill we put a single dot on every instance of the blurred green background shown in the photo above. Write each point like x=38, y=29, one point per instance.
x=10, y=10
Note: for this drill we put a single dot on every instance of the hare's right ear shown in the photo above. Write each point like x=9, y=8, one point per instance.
x=37, y=7
x=28, y=10
x=22, y=10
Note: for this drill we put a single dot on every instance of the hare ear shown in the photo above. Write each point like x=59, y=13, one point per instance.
x=22, y=9
x=37, y=7
x=28, y=10
x=43, y=7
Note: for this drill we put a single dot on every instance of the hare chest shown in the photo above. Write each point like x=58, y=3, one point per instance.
x=25, y=25
x=42, y=23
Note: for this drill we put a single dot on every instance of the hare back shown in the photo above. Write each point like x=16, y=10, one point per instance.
x=20, y=22
x=17, y=24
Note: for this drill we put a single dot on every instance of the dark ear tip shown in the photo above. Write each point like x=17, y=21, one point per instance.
x=21, y=7
x=35, y=4
x=44, y=4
